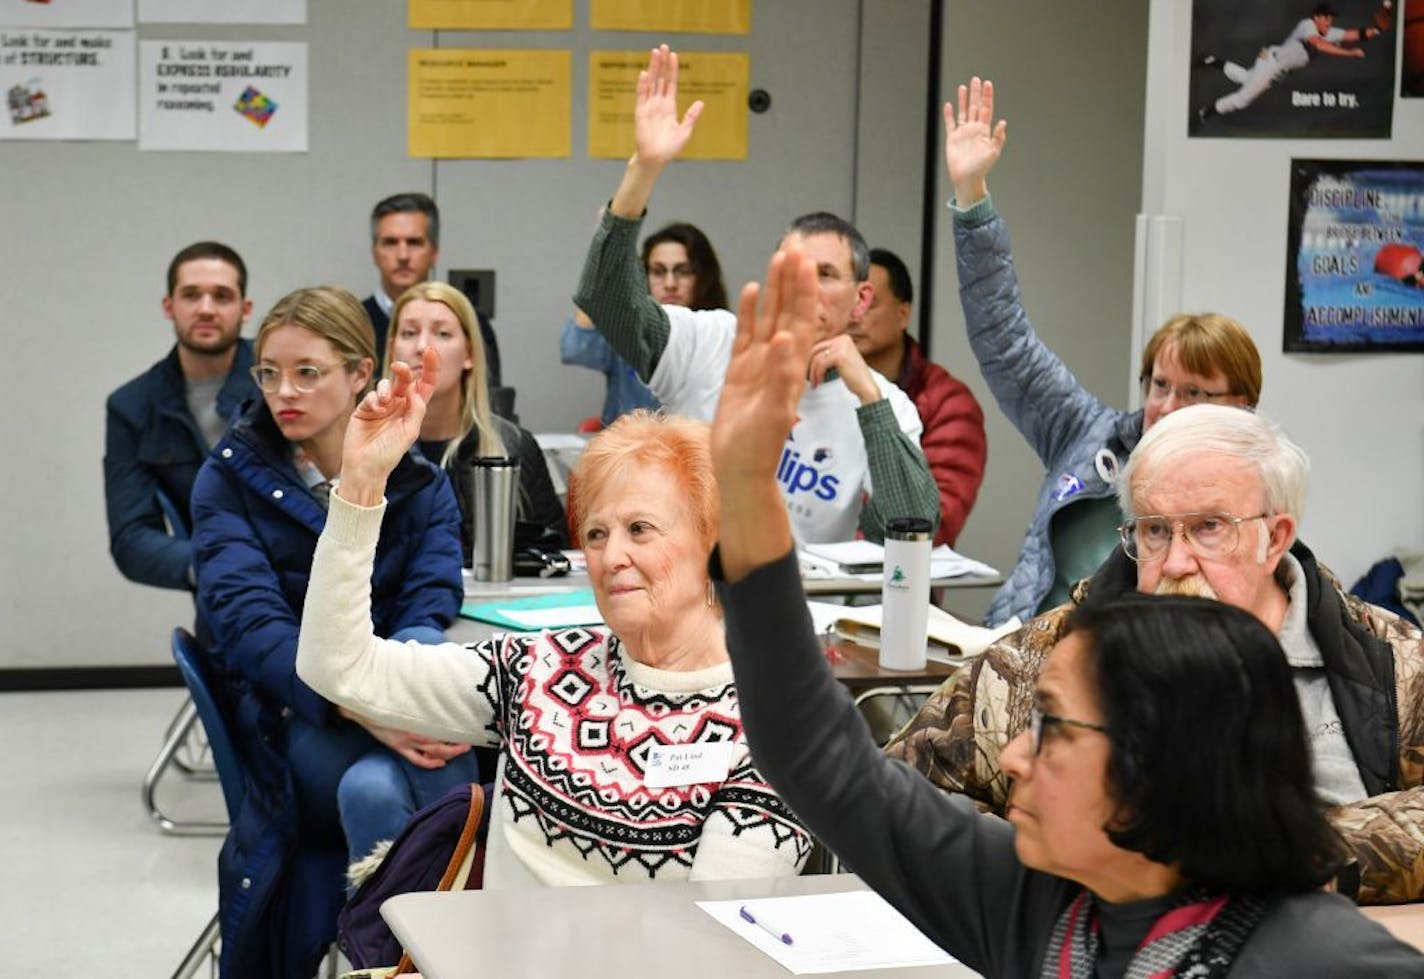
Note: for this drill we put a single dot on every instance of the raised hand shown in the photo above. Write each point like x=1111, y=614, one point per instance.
x=382, y=429
x=758, y=408
x=972, y=140
x=658, y=134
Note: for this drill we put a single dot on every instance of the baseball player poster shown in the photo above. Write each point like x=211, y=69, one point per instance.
x=1292, y=69
x=1355, y=256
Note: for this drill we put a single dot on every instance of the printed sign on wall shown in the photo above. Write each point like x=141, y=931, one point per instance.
x=1355, y=256
x=67, y=84
x=223, y=96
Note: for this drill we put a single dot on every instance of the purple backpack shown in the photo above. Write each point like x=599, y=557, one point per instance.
x=428, y=855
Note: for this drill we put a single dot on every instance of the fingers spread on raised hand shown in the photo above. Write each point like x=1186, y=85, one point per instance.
x=429, y=374
x=1001, y=132
x=963, y=104
x=746, y=316
x=805, y=297
x=694, y=112
x=986, y=100
x=766, y=321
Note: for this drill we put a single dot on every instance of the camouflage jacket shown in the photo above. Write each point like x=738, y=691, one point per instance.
x=1374, y=661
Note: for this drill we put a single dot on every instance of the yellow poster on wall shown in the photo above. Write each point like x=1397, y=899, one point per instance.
x=672, y=16
x=489, y=103
x=491, y=15
x=719, y=79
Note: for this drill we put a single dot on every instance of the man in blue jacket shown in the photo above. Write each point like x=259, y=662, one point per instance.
x=161, y=424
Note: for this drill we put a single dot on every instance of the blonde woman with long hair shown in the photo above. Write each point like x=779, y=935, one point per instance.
x=459, y=426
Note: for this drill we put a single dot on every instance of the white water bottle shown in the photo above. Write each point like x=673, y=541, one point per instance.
x=905, y=594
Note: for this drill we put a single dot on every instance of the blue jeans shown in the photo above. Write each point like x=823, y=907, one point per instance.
x=350, y=784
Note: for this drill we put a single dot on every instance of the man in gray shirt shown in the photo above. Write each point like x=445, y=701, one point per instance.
x=161, y=424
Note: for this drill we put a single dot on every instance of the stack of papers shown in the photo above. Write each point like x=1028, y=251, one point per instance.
x=864, y=560
x=861, y=623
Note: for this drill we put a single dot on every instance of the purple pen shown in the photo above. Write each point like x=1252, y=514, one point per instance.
x=775, y=931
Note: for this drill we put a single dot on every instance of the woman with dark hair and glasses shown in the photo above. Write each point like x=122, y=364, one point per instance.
x=682, y=270
x=1162, y=819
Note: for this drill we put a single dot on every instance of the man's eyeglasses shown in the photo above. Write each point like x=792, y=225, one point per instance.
x=1039, y=719
x=305, y=377
x=1209, y=535
x=1157, y=390
x=680, y=272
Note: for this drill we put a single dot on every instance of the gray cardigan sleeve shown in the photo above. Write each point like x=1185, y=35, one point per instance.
x=613, y=292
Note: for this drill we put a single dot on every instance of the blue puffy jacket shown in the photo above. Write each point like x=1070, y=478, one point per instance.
x=1065, y=424
x=255, y=528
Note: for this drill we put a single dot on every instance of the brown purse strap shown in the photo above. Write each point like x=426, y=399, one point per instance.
x=467, y=836
x=457, y=859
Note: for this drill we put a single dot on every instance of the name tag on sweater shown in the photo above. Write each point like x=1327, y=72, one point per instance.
x=688, y=764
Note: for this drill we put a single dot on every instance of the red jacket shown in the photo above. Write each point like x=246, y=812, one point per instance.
x=953, y=440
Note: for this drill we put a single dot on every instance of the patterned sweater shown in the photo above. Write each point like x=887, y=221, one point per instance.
x=576, y=718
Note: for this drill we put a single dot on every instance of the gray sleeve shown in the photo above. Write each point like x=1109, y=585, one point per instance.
x=613, y=292
x=900, y=478
x=1034, y=388
x=944, y=866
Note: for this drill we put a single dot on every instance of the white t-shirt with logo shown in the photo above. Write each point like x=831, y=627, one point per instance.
x=824, y=473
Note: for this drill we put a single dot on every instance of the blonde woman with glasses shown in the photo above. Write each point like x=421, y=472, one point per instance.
x=320, y=773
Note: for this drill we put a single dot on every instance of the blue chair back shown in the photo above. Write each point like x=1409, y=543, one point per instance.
x=192, y=663
x=177, y=523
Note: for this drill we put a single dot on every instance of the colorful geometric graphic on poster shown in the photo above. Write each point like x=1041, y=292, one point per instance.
x=1355, y=256
x=223, y=96
x=67, y=84
x=672, y=16
x=66, y=13
x=1292, y=68
x=496, y=104
x=1411, y=75
x=491, y=15
x=720, y=80
x=222, y=11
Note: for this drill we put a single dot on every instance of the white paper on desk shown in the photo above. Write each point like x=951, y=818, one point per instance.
x=552, y=618
x=848, y=552
x=832, y=932
x=831, y=561
x=946, y=562
x=557, y=441
x=941, y=627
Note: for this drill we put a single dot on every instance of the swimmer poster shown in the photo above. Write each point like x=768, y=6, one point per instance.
x=67, y=84
x=1355, y=257
x=223, y=96
x=1292, y=69
x=719, y=79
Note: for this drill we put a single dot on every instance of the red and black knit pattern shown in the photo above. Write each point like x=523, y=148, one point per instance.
x=577, y=730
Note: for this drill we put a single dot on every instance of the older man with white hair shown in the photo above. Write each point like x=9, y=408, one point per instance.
x=1214, y=496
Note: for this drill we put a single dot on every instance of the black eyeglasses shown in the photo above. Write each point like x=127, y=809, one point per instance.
x=1038, y=719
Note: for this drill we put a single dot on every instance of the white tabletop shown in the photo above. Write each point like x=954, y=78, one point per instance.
x=627, y=931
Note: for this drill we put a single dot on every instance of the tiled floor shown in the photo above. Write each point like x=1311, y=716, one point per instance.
x=89, y=887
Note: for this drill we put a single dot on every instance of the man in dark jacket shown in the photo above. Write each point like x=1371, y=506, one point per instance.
x=161, y=424
x=953, y=438
x=1213, y=497
x=405, y=244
